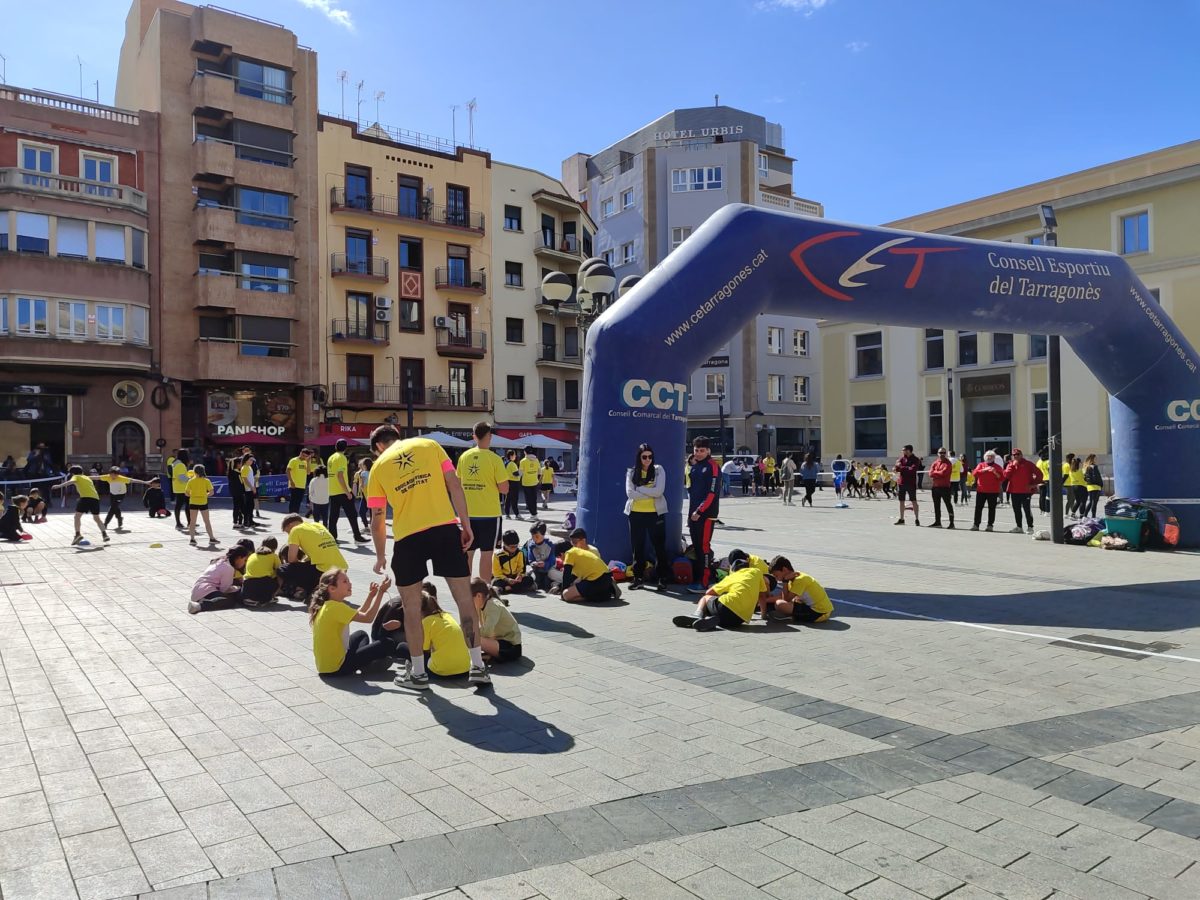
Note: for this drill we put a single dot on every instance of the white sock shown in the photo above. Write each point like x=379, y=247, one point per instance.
x=418, y=665
x=477, y=657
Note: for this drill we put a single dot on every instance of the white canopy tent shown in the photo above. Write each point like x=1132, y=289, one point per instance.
x=542, y=442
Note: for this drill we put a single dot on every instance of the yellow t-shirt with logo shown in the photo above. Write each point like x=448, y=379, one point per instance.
x=956, y=469
x=409, y=475
x=262, y=565
x=739, y=591
x=646, y=504
x=585, y=565
x=480, y=472
x=513, y=470
x=337, y=463
x=444, y=638
x=86, y=487
x=530, y=468
x=116, y=484
x=816, y=598
x=297, y=472
x=246, y=473
x=331, y=633
x=179, y=477
x=318, y=545
x=197, y=490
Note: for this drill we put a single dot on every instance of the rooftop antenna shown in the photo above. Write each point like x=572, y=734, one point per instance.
x=80, y=61
x=454, y=124
x=378, y=100
x=342, y=76
x=3, y=69
x=97, y=82
x=471, y=107
x=716, y=99
x=358, y=109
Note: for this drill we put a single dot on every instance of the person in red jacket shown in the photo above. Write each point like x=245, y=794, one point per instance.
x=907, y=467
x=939, y=481
x=1023, y=479
x=988, y=478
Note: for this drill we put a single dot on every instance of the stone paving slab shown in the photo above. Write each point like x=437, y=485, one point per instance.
x=148, y=750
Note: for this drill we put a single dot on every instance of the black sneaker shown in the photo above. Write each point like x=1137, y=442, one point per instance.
x=708, y=623
x=936, y=525
x=479, y=675
x=407, y=679
x=950, y=527
x=898, y=522
x=685, y=621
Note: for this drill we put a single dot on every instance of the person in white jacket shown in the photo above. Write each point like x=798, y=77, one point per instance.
x=645, y=484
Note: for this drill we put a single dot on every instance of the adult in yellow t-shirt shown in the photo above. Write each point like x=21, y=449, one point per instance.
x=430, y=523
x=1043, y=464
x=297, y=472
x=484, y=478
x=88, y=502
x=310, y=552
x=1076, y=488
x=530, y=476
x=340, y=495
x=199, y=489
x=179, y=479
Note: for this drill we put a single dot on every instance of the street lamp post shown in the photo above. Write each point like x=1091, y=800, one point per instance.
x=1054, y=395
x=721, y=418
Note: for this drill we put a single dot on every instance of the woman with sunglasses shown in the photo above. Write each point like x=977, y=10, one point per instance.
x=645, y=484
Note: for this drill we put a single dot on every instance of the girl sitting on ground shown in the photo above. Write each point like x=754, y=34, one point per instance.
x=219, y=586
x=445, y=648
x=335, y=650
x=262, y=581
x=500, y=635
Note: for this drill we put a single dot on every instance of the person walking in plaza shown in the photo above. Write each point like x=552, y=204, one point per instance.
x=956, y=467
x=1076, y=488
x=787, y=477
x=512, y=500
x=988, y=478
x=311, y=551
x=646, y=507
x=361, y=475
x=336, y=651
x=941, y=479
x=430, y=523
x=907, y=467
x=340, y=492
x=703, y=509
x=1094, y=482
x=547, y=482
x=530, y=478
x=219, y=586
x=88, y=502
x=484, y=482
x=318, y=495
x=118, y=487
x=1023, y=478
x=179, y=480
x=297, y=473
x=199, y=490
x=809, y=472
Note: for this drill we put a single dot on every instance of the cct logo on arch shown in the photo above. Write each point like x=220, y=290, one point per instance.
x=1184, y=410
x=666, y=396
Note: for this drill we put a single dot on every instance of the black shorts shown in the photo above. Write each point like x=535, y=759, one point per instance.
x=259, y=591
x=88, y=505
x=596, y=591
x=441, y=545
x=902, y=491
x=199, y=507
x=485, y=531
x=802, y=612
x=726, y=617
x=547, y=488
x=508, y=652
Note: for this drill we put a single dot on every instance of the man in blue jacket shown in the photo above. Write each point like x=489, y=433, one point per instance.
x=703, y=501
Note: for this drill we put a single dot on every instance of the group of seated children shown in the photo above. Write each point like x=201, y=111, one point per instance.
x=240, y=576
x=776, y=590
x=584, y=577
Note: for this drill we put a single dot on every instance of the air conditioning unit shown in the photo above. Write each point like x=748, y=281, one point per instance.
x=441, y=321
x=383, y=302
x=383, y=315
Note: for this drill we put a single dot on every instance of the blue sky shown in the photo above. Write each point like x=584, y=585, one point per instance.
x=890, y=108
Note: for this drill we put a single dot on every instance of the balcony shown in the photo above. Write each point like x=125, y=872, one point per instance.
x=370, y=268
x=422, y=210
x=218, y=97
x=214, y=225
x=791, y=204
x=60, y=355
x=461, y=280
x=393, y=396
x=553, y=355
x=76, y=189
x=456, y=398
x=212, y=95
x=213, y=158
x=557, y=246
x=355, y=330
x=230, y=361
x=554, y=410
x=452, y=342
x=250, y=295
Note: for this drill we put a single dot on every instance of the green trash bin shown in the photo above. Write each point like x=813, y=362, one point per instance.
x=1134, y=529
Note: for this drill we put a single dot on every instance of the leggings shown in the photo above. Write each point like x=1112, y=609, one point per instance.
x=237, y=500
x=338, y=504
x=1044, y=497
x=216, y=600
x=1093, y=500
x=512, y=500
x=650, y=526
x=1022, y=502
x=701, y=535
x=989, y=500
x=810, y=485
x=181, y=507
x=361, y=652
x=114, y=509
x=295, y=499
x=531, y=500
x=248, y=498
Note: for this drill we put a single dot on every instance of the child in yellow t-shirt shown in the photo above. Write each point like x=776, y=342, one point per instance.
x=261, y=581
x=198, y=489
x=804, y=600
x=335, y=650
x=88, y=503
x=445, y=648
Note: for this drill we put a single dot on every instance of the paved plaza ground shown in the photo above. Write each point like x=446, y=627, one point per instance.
x=939, y=739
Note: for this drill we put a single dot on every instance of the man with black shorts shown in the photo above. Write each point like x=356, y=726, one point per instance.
x=907, y=467
x=484, y=480
x=340, y=494
x=430, y=523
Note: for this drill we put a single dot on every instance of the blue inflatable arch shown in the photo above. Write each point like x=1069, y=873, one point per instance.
x=745, y=261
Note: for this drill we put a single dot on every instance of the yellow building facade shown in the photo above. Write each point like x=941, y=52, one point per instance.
x=885, y=386
x=406, y=280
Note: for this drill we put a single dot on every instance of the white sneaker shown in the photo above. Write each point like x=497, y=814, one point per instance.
x=193, y=607
x=407, y=679
x=477, y=675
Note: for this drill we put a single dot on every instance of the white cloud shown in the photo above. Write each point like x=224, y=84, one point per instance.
x=332, y=12
x=857, y=46
x=806, y=7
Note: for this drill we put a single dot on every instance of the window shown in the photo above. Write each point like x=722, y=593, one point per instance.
x=410, y=316
x=265, y=336
x=698, y=179
x=1036, y=239
x=571, y=394
x=968, y=348
x=514, y=331
x=360, y=315
x=775, y=341
x=627, y=199
x=935, y=425
x=1002, y=347
x=265, y=209
x=265, y=272
x=100, y=169
x=606, y=208
x=3, y=231
x=516, y=383
x=139, y=321
x=935, y=348
x=587, y=244
x=33, y=233
x=627, y=253
x=273, y=147
x=3, y=315
x=110, y=243
x=31, y=317
x=220, y=328
x=456, y=264
x=1041, y=421
x=358, y=187
x=264, y=82
x=512, y=218
x=679, y=235
x=1038, y=344
x=775, y=388
x=358, y=251
x=570, y=342
x=608, y=257
x=868, y=354
x=514, y=274
x=763, y=168
x=870, y=429
x=714, y=385
x=139, y=248
x=410, y=254
x=73, y=238
x=72, y=319
x=1135, y=233
x=408, y=203
x=110, y=322
x=799, y=343
x=799, y=388
x=458, y=206
x=38, y=158
x=460, y=384
x=360, y=377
